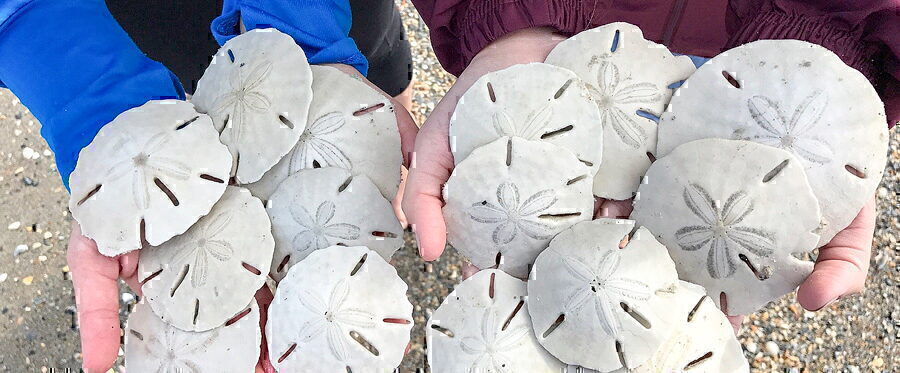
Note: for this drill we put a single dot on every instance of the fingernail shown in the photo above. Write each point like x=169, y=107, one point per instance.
x=828, y=304
x=419, y=247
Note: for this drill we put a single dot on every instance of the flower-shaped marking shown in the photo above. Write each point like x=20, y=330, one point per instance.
x=611, y=91
x=535, y=123
x=720, y=230
x=601, y=285
x=494, y=345
x=203, y=245
x=144, y=164
x=795, y=135
x=332, y=318
x=315, y=231
x=171, y=351
x=312, y=145
x=242, y=97
x=511, y=217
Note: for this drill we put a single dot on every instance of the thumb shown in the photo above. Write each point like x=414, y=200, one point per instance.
x=842, y=264
x=94, y=279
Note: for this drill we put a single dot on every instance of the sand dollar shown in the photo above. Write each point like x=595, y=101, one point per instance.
x=197, y=280
x=733, y=214
x=340, y=309
x=257, y=89
x=509, y=198
x=796, y=96
x=628, y=78
x=318, y=208
x=148, y=175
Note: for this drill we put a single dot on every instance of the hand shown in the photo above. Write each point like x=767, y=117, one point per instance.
x=432, y=161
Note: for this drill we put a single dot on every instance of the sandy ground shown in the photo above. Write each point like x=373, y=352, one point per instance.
x=38, y=330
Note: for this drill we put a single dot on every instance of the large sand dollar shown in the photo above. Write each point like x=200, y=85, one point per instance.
x=733, y=214
x=796, y=96
x=147, y=176
x=257, y=89
x=199, y=279
x=510, y=197
x=628, y=78
x=483, y=326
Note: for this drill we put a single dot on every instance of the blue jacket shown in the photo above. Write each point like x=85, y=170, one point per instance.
x=76, y=69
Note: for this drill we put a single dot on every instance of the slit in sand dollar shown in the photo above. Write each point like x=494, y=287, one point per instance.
x=318, y=208
x=533, y=101
x=197, y=280
x=257, y=89
x=340, y=309
x=483, y=326
x=796, y=96
x=509, y=198
x=733, y=214
x=600, y=295
x=628, y=78
x=152, y=345
x=148, y=176
x=351, y=126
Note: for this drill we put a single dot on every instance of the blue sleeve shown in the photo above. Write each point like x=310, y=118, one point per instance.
x=320, y=27
x=75, y=69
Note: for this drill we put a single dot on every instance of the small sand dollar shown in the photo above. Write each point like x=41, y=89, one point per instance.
x=257, y=89
x=148, y=175
x=628, y=78
x=318, y=208
x=533, y=101
x=597, y=305
x=341, y=309
x=152, y=345
x=733, y=214
x=351, y=126
x=509, y=198
x=197, y=280
x=796, y=96
x=483, y=326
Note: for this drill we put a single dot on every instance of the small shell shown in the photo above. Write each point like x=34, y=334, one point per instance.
x=510, y=197
x=340, y=309
x=628, y=78
x=148, y=175
x=533, y=101
x=318, y=208
x=257, y=91
x=198, y=280
x=796, y=96
x=151, y=345
x=733, y=213
x=600, y=306
x=351, y=126
x=483, y=326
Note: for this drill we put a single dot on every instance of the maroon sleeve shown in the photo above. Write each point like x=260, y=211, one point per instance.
x=461, y=28
x=865, y=34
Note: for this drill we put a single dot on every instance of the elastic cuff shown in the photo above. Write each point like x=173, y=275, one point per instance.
x=774, y=24
x=486, y=21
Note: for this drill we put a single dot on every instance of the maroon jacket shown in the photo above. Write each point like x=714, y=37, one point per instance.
x=864, y=33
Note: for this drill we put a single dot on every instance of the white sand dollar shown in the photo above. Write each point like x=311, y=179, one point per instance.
x=534, y=101
x=352, y=126
x=628, y=78
x=197, y=280
x=341, y=309
x=318, y=208
x=799, y=97
x=257, y=89
x=732, y=213
x=148, y=175
x=152, y=345
x=598, y=306
x=509, y=198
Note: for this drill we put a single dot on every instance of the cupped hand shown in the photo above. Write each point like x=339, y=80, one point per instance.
x=432, y=161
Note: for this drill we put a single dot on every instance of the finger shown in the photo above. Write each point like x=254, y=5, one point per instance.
x=128, y=270
x=264, y=298
x=598, y=203
x=397, y=202
x=842, y=264
x=468, y=270
x=737, y=322
x=615, y=209
x=97, y=301
x=408, y=131
x=422, y=201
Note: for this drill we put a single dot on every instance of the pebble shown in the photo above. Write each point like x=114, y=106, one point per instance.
x=772, y=348
x=14, y=225
x=28, y=280
x=42, y=258
x=128, y=298
x=751, y=347
x=3, y=277
x=48, y=235
x=29, y=153
x=20, y=249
